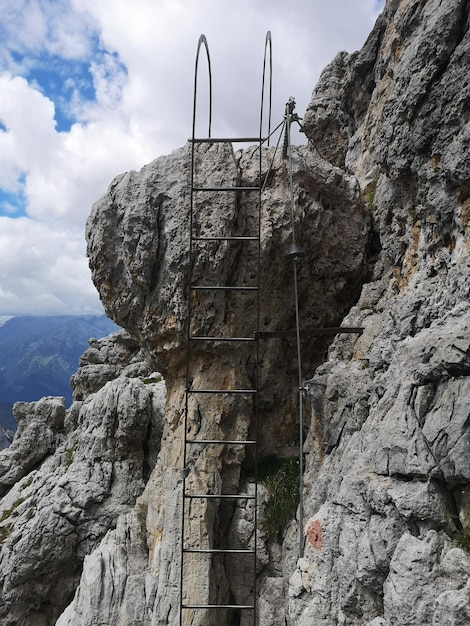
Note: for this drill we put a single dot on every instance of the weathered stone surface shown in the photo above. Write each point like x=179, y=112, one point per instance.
x=389, y=446
x=105, y=360
x=382, y=214
x=90, y=464
x=113, y=585
x=36, y=436
x=137, y=243
x=138, y=240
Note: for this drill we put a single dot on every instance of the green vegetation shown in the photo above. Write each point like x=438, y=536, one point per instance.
x=281, y=477
x=462, y=538
x=28, y=483
x=69, y=455
x=369, y=193
x=142, y=508
x=378, y=610
x=9, y=511
x=155, y=379
x=4, y=532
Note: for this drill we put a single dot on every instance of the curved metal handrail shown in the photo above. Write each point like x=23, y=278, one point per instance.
x=267, y=43
x=202, y=41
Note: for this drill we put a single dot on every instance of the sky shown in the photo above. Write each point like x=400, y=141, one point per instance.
x=93, y=88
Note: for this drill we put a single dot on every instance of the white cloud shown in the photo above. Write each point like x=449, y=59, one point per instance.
x=43, y=271
x=39, y=26
x=29, y=120
x=140, y=58
x=64, y=172
x=156, y=40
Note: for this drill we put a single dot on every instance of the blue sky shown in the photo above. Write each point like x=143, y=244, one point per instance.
x=90, y=88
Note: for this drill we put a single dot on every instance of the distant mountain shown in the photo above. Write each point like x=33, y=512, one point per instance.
x=38, y=355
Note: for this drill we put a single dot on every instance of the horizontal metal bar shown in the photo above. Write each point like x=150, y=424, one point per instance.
x=222, y=287
x=201, y=338
x=216, y=551
x=247, y=391
x=314, y=332
x=250, y=238
x=226, y=139
x=218, y=606
x=227, y=188
x=229, y=442
x=220, y=496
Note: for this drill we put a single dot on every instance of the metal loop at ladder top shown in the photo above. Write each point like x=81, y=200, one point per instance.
x=201, y=501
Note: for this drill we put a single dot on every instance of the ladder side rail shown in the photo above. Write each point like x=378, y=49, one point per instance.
x=295, y=254
x=255, y=392
x=201, y=43
x=267, y=46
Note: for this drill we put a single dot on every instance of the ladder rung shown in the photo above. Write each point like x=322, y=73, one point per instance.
x=229, y=442
x=241, y=238
x=201, y=338
x=251, y=188
x=221, y=287
x=250, y=391
x=216, y=551
x=226, y=139
x=212, y=496
x=218, y=606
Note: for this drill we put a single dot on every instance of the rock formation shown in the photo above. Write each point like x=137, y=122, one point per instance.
x=69, y=475
x=90, y=519
x=389, y=448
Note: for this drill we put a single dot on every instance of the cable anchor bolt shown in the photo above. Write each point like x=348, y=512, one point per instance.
x=294, y=251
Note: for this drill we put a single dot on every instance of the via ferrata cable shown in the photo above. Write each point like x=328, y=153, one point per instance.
x=295, y=253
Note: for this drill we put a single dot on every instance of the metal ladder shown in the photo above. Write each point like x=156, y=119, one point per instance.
x=203, y=555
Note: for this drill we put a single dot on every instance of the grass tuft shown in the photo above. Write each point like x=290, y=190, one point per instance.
x=281, y=478
x=462, y=538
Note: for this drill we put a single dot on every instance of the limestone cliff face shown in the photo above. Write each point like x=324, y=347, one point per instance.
x=389, y=448
x=382, y=194
x=146, y=291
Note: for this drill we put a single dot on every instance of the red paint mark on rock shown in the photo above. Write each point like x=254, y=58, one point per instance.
x=315, y=534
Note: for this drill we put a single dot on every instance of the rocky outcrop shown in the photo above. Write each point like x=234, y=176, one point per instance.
x=146, y=292
x=138, y=241
x=382, y=211
x=6, y=437
x=34, y=440
x=389, y=450
x=105, y=360
x=68, y=476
